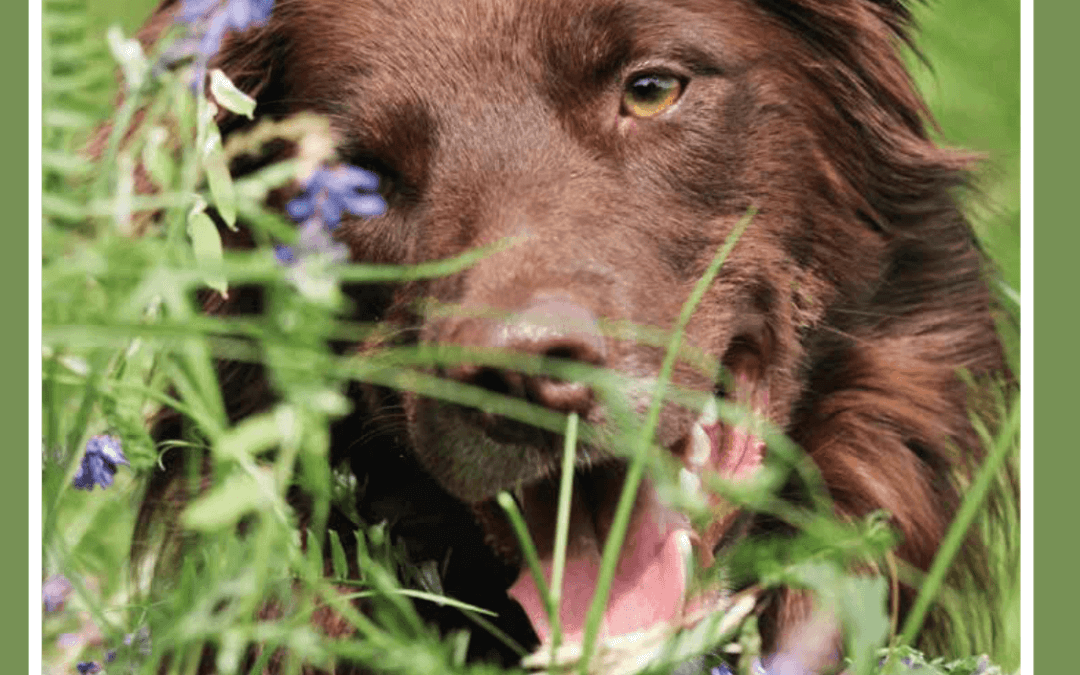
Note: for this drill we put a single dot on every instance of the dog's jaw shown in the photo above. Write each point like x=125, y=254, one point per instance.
x=651, y=581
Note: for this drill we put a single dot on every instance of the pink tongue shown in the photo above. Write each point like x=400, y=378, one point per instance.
x=650, y=580
x=647, y=588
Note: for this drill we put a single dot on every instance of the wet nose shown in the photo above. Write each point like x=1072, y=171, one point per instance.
x=550, y=326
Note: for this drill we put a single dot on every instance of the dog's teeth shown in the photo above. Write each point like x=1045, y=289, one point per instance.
x=686, y=550
x=709, y=413
x=690, y=482
x=700, y=448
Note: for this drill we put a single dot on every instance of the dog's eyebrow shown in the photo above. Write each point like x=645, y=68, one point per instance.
x=694, y=57
x=601, y=42
x=392, y=138
x=593, y=44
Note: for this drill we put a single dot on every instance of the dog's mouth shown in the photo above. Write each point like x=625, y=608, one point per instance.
x=652, y=580
x=651, y=575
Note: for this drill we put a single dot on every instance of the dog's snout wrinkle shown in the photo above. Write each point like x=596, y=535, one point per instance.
x=550, y=326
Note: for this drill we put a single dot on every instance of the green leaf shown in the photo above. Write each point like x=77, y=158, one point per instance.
x=61, y=207
x=858, y=602
x=226, y=504
x=255, y=186
x=65, y=162
x=363, y=555
x=750, y=643
x=862, y=604
x=129, y=54
x=337, y=556
x=230, y=650
x=64, y=118
x=218, y=176
x=156, y=158
x=314, y=553
x=257, y=434
x=206, y=242
x=228, y=96
x=189, y=581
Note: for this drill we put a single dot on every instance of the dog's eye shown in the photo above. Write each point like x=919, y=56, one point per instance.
x=650, y=95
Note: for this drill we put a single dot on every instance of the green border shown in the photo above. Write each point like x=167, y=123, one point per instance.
x=15, y=500
x=1058, y=171
x=1054, y=353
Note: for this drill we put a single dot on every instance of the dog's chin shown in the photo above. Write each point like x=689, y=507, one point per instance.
x=475, y=462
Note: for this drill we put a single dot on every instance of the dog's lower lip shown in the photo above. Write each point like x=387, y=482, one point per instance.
x=508, y=431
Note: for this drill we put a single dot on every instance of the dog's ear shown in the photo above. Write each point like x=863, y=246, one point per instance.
x=823, y=17
x=850, y=52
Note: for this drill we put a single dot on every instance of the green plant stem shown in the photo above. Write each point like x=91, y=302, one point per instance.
x=954, y=538
x=528, y=548
x=635, y=472
x=562, y=527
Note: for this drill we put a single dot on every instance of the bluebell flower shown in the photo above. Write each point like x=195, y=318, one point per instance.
x=208, y=22
x=330, y=192
x=99, y=462
x=241, y=13
x=85, y=667
x=315, y=240
x=722, y=669
x=284, y=254
x=54, y=592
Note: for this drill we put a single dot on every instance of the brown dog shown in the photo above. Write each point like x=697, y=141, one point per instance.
x=619, y=142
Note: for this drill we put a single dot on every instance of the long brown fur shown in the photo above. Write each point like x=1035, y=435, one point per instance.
x=861, y=266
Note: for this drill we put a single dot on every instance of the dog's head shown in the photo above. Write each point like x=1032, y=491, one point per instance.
x=616, y=144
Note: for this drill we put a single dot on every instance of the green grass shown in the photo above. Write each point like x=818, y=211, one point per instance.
x=122, y=337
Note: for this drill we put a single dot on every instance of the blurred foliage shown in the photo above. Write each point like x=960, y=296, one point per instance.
x=122, y=335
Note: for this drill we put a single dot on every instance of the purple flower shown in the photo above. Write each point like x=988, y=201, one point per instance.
x=284, y=254
x=99, y=462
x=208, y=22
x=327, y=194
x=330, y=192
x=722, y=669
x=85, y=667
x=67, y=640
x=54, y=592
x=241, y=13
x=314, y=240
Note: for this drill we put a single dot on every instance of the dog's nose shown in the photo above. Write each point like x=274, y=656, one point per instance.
x=551, y=326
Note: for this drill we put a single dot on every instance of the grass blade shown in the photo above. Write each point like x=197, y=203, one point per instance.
x=562, y=526
x=634, y=473
x=967, y=513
